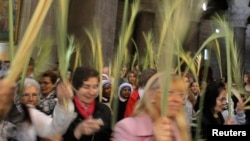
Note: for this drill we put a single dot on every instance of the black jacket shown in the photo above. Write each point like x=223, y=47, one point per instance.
x=207, y=121
x=101, y=112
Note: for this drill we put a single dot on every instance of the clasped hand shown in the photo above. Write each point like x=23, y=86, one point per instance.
x=88, y=127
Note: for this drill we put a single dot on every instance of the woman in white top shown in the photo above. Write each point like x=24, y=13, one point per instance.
x=32, y=123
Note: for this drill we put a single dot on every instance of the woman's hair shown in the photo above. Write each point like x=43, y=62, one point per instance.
x=145, y=76
x=28, y=82
x=83, y=74
x=53, y=76
x=191, y=94
x=213, y=90
x=145, y=106
x=132, y=72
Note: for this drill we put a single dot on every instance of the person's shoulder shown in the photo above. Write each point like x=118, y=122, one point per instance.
x=128, y=122
x=134, y=94
x=102, y=106
x=137, y=125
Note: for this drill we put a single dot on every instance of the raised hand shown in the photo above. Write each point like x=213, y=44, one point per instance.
x=240, y=106
x=229, y=122
x=64, y=93
x=88, y=127
x=6, y=97
x=162, y=129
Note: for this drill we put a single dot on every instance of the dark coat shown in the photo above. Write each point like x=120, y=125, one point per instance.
x=209, y=120
x=101, y=112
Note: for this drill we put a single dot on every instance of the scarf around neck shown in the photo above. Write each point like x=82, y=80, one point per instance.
x=85, y=112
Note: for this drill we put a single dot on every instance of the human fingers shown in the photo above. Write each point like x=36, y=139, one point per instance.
x=162, y=129
x=94, y=124
x=7, y=95
x=64, y=93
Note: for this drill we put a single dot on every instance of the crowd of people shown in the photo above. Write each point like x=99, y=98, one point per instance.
x=48, y=109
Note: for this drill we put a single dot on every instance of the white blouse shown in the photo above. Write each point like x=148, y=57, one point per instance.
x=45, y=126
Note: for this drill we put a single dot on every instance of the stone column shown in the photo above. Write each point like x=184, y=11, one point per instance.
x=144, y=24
x=239, y=12
x=81, y=16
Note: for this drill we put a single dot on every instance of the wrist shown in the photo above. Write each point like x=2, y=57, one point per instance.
x=77, y=134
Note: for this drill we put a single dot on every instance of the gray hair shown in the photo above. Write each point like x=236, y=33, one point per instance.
x=28, y=82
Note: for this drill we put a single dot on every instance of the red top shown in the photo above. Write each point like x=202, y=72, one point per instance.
x=131, y=103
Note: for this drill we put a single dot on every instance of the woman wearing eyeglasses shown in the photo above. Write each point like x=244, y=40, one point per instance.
x=215, y=101
x=147, y=122
x=25, y=123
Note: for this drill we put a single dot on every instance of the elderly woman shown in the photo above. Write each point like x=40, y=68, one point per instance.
x=147, y=122
x=29, y=123
x=31, y=92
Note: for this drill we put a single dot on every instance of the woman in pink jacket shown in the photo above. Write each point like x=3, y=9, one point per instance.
x=147, y=124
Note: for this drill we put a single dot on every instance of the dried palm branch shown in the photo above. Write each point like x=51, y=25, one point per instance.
x=236, y=65
x=204, y=45
x=247, y=108
x=216, y=48
x=229, y=41
x=136, y=59
x=198, y=64
x=62, y=17
x=23, y=75
x=43, y=54
x=78, y=57
x=149, y=52
x=172, y=33
x=63, y=52
x=120, y=58
x=25, y=46
x=11, y=30
x=96, y=46
x=186, y=57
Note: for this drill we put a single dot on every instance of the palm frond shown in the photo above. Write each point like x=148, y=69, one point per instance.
x=78, y=57
x=218, y=55
x=121, y=58
x=137, y=55
x=11, y=30
x=25, y=46
x=62, y=16
x=149, y=46
x=43, y=55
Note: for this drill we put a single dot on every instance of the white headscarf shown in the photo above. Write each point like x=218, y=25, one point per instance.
x=105, y=76
x=123, y=85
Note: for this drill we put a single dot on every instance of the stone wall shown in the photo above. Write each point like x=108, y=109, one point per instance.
x=109, y=15
x=47, y=30
x=82, y=14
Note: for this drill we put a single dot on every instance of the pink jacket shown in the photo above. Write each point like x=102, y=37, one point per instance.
x=139, y=128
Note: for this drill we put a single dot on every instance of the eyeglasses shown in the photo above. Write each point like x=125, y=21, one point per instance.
x=25, y=95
